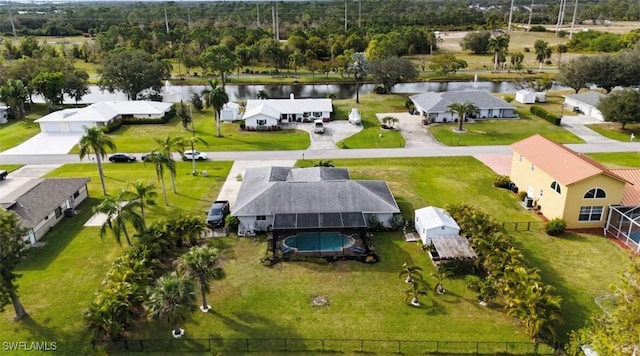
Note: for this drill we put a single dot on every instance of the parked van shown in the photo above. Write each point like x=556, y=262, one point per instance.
x=318, y=127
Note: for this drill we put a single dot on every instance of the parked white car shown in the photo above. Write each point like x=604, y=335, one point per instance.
x=190, y=155
x=318, y=127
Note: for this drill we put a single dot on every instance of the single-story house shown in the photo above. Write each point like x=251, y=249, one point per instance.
x=266, y=113
x=270, y=191
x=586, y=103
x=42, y=203
x=230, y=112
x=436, y=105
x=525, y=96
x=562, y=183
x=432, y=221
x=100, y=114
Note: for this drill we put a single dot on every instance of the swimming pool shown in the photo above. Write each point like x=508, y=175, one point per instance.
x=319, y=242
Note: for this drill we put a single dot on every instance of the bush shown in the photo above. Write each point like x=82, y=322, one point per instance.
x=526, y=49
x=379, y=89
x=397, y=222
x=232, y=222
x=501, y=181
x=375, y=224
x=537, y=28
x=544, y=114
x=555, y=227
x=508, y=98
x=473, y=282
x=522, y=195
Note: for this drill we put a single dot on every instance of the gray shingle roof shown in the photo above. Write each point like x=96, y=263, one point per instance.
x=438, y=102
x=43, y=198
x=310, y=190
x=591, y=97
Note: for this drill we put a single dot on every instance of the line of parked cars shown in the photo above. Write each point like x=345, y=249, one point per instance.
x=188, y=155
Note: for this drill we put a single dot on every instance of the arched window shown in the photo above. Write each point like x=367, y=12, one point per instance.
x=556, y=186
x=595, y=193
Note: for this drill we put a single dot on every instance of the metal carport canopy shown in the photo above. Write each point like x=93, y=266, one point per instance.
x=319, y=221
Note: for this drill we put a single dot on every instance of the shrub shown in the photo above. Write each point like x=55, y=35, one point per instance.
x=379, y=89
x=232, y=222
x=397, y=222
x=548, y=62
x=537, y=28
x=526, y=49
x=409, y=104
x=522, y=195
x=375, y=224
x=501, y=181
x=555, y=227
x=544, y=114
x=508, y=98
x=473, y=282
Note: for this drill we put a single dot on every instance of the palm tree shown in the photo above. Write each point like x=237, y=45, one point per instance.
x=168, y=145
x=160, y=161
x=499, y=46
x=411, y=294
x=561, y=48
x=173, y=298
x=543, y=52
x=441, y=274
x=462, y=109
x=262, y=94
x=410, y=273
x=516, y=60
x=359, y=67
x=192, y=141
x=96, y=141
x=216, y=97
x=538, y=310
x=201, y=264
x=143, y=193
x=119, y=214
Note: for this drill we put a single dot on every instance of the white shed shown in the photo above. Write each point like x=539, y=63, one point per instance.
x=432, y=221
x=354, y=117
x=525, y=96
x=230, y=112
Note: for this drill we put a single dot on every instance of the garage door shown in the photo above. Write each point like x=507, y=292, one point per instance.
x=79, y=126
x=56, y=127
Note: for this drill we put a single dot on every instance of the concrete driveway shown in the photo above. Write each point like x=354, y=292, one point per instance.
x=23, y=179
x=410, y=127
x=46, y=144
x=334, y=132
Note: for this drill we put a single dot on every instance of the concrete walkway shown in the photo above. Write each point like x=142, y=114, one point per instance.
x=577, y=126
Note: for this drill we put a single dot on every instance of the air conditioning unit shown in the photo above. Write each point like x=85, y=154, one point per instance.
x=528, y=202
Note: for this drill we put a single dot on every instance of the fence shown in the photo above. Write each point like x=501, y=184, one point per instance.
x=523, y=225
x=409, y=347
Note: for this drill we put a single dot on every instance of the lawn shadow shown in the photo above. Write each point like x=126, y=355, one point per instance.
x=57, y=239
x=47, y=336
x=250, y=324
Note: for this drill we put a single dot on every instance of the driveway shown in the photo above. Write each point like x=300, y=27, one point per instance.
x=410, y=127
x=23, y=179
x=46, y=144
x=577, y=125
x=334, y=132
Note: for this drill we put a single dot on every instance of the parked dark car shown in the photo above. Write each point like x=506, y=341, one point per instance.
x=3, y=174
x=217, y=213
x=122, y=157
x=146, y=157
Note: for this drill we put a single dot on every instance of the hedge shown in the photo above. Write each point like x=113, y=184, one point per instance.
x=544, y=114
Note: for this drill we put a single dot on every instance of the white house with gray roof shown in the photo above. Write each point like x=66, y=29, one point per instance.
x=586, y=103
x=41, y=203
x=270, y=114
x=267, y=191
x=436, y=105
x=100, y=114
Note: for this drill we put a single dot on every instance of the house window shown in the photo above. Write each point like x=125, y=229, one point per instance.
x=261, y=217
x=595, y=193
x=520, y=158
x=76, y=194
x=261, y=122
x=533, y=167
x=590, y=213
x=317, y=114
x=58, y=212
x=556, y=186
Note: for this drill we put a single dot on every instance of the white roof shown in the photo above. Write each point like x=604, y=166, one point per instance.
x=293, y=106
x=107, y=110
x=264, y=109
x=231, y=105
x=434, y=217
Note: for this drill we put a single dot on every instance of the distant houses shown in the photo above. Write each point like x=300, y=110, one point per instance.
x=435, y=106
x=585, y=103
x=271, y=114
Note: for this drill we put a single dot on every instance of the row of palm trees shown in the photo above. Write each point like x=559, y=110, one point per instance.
x=524, y=294
x=412, y=275
x=499, y=45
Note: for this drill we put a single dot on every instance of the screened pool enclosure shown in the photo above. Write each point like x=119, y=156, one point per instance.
x=623, y=223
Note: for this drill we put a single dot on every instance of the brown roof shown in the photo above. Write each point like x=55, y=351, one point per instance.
x=631, y=194
x=559, y=161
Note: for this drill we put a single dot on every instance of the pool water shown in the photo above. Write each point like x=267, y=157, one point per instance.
x=319, y=241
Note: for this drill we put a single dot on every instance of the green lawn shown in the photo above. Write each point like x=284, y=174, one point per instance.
x=371, y=136
x=15, y=132
x=59, y=279
x=139, y=138
x=10, y=167
x=501, y=132
x=618, y=159
x=614, y=131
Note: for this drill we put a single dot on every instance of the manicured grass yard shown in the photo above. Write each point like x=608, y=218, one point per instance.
x=617, y=159
x=614, y=131
x=369, y=105
x=15, y=132
x=501, y=132
x=366, y=301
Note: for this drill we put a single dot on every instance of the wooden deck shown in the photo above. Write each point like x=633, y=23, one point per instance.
x=452, y=247
x=411, y=236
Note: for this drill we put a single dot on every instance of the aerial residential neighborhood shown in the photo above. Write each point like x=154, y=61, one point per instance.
x=310, y=177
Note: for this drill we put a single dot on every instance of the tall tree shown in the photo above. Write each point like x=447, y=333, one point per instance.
x=132, y=71
x=76, y=84
x=516, y=60
x=184, y=113
x=220, y=60
x=172, y=297
x=543, y=52
x=168, y=145
x=119, y=213
x=12, y=242
x=477, y=42
x=51, y=86
x=499, y=45
x=561, y=49
x=216, y=97
x=96, y=141
x=359, y=66
x=391, y=71
x=162, y=160
x=575, y=73
x=621, y=106
x=446, y=64
x=462, y=109
x=143, y=193
x=201, y=264
x=14, y=94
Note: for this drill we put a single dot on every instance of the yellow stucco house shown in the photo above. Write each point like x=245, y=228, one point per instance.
x=565, y=184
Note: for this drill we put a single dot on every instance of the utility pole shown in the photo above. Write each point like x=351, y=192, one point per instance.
x=277, y=24
x=273, y=22
x=257, y=15
x=13, y=26
x=530, y=14
x=359, y=13
x=573, y=21
x=563, y=4
x=345, y=15
x=510, y=16
x=166, y=20
x=189, y=16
